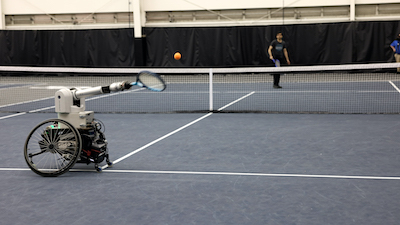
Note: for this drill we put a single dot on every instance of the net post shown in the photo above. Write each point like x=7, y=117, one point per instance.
x=211, y=97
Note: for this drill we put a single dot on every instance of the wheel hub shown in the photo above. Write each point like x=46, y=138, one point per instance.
x=52, y=148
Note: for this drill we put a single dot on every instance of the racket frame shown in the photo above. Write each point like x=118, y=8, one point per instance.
x=141, y=84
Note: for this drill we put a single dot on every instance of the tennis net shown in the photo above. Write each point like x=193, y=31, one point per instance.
x=356, y=88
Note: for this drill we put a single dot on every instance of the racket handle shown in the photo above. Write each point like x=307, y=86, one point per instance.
x=127, y=85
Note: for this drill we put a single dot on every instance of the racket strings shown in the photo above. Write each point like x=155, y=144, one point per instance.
x=151, y=81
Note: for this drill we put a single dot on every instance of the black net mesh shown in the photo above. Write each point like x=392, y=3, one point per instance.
x=366, y=89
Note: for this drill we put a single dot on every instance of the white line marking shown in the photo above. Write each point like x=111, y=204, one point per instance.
x=41, y=109
x=237, y=100
x=13, y=115
x=395, y=87
x=14, y=87
x=272, y=91
x=14, y=169
x=255, y=174
x=29, y=101
x=226, y=174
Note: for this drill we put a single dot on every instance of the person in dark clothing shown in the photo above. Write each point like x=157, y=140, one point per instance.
x=395, y=45
x=277, y=51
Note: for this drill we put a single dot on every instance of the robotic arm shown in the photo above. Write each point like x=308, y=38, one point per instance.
x=114, y=87
x=70, y=103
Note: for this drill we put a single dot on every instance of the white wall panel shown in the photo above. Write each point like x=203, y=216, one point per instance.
x=13, y=7
x=29, y=14
x=176, y=5
x=2, y=18
x=89, y=6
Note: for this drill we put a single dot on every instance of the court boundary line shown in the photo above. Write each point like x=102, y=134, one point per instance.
x=394, y=86
x=22, y=86
x=13, y=115
x=255, y=174
x=216, y=173
x=235, y=101
x=26, y=102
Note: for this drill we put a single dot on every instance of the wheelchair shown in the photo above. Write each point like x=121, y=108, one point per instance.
x=54, y=146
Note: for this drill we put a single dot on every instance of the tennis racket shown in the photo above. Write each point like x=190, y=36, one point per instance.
x=277, y=62
x=149, y=80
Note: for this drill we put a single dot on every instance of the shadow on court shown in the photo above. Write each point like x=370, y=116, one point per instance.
x=222, y=169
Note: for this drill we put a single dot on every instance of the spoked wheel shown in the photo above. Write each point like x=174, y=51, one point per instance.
x=52, y=147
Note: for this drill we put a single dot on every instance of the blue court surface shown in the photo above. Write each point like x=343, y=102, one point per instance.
x=338, y=164
x=214, y=168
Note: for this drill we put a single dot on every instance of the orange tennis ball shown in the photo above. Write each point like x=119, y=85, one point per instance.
x=177, y=56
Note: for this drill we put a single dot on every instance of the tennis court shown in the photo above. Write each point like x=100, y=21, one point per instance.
x=318, y=151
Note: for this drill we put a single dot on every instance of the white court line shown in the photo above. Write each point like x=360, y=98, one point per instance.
x=175, y=131
x=254, y=174
x=395, y=87
x=13, y=115
x=226, y=174
x=14, y=169
x=30, y=101
x=237, y=100
x=14, y=87
x=23, y=113
x=274, y=91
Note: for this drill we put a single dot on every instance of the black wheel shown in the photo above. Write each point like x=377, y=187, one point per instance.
x=109, y=163
x=52, y=147
x=98, y=169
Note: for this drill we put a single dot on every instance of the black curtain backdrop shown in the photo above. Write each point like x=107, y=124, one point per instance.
x=308, y=44
x=87, y=48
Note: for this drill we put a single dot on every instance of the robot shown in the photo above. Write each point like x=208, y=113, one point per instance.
x=55, y=145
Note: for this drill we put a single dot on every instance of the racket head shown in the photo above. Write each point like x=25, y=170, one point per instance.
x=151, y=81
x=277, y=62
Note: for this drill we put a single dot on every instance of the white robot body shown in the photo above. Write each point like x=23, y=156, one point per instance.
x=70, y=103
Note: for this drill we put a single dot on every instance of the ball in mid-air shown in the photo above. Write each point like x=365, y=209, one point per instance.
x=177, y=56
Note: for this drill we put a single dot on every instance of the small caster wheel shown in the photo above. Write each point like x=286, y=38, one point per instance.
x=98, y=169
x=110, y=164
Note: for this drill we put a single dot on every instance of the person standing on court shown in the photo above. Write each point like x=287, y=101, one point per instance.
x=277, y=51
x=395, y=45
